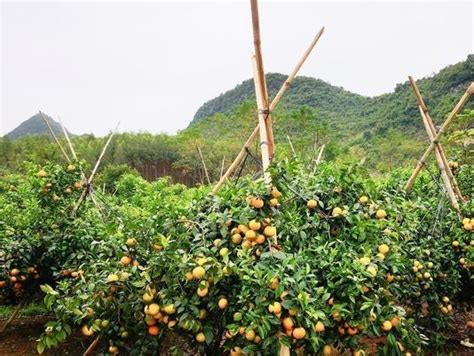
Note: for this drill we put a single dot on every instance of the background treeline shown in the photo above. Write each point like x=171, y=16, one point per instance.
x=385, y=131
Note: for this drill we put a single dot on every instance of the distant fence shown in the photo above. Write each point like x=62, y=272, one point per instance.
x=154, y=170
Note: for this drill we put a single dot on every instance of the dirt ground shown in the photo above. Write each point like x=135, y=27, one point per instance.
x=19, y=339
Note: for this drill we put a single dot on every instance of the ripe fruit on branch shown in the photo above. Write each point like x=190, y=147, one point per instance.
x=223, y=303
x=87, y=331
x=312, y=204
x=198, y=272
x=42, y=174
x=319, y=327
x=254, y=225
x=387, y=326
x=381, y=214
x=299, y=333
x=270, y=231
x=125, y=260
x=383, y=249
x=200, y=337
x=363, y=199
x=336, y=212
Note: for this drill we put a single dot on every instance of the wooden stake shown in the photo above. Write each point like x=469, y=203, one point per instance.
x=204, y=165
x=295, y=70
x=439, y=148
x=272, y=106
x=291, y=145
x=54, y=136
x=262, y=115
x=464, y=99
x=92, y=346
x=442, y=168
x=260, y=74
x=11, y=318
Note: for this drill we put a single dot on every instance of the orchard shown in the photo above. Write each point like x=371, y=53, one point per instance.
x=327, y=261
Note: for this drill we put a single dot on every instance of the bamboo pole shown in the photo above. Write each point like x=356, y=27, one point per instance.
x=94, y=171
x=295, y=70
x=262, y=83
x=222, y=167
x=264, y=144
x=275, y=101
x=11, y=318
x=92, y=346
x=291, y=145
x=54, y=137
x=204, y=165
x=71, y=148
x=439, y=147
x=439, y=160
x=320, y=155
x=464, y=99
x=237, y=160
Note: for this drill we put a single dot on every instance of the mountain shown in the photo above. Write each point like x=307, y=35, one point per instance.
x=353, y=112
x=36, y=126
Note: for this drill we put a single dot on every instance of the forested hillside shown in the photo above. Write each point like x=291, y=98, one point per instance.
x=35, y=126
x=385, y=132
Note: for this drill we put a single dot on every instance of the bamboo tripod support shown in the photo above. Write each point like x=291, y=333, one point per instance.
x=204, y=165
x=439, y=147
x=449, y=180
x=240, y=156
x=464, y=99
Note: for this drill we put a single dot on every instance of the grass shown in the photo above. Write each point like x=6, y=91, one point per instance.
x=32, y=309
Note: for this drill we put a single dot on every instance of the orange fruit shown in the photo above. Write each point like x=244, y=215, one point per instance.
x=236, y=239
x=153, y=330
x=387, y=326
x=125, y=260
x=319, y=327
x=254, y=225
x=381, y=214
x=312, y=204
x=299, y=333
x=223, y=303
x=87, y=331
x=200, y=337
x=199, y=272
x=288, y=323
x=250, y=335
x=270, y=231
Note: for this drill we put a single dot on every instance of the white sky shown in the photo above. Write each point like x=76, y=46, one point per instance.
x=151, y=65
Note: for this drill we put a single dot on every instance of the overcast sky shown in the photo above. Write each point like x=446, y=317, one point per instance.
x=151, y=65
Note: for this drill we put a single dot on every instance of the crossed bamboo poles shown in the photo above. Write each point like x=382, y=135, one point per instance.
x=86, y=182
x=449, y=181
x=265, y=108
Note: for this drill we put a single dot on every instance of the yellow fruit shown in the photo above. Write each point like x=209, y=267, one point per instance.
x=455, y=243
x=112, y=278
x=387, y=231
x=273, y=202
x=380, y=214
x=387, y=326
x=288, y=323
x=469, y=227
x=87, y=331
x=275, y=193
x=113, y=350
x=236, y=239
x=71, y=168
x=372, y=270
x=444, y=310
x=202, y=292
x=189, y=276
x=429, y=265
x=153, y=309
x=242, y=229
x=364, y=260
x=125, y=260
x=223, y=251
x=312, y=204
x=131, y=242
x=384, y=249
x=202, y=314
x=275, y=308
x=200, y=337
x=270, y=231
x=246, y=245
x=299, y=333
x=169, y=309
x=198, y=272
x=462, y=261
x=426, y=275
x=251, y=235
x=446, y=299
x=260, y=239
x=42, y=174
x=336, y=212
x=274, y=282
x=380, y=256
x=254, y=225
x=363, y=199
x=466, y=221
x=327, y=350
x=449, y=307
x=250, y=335
x=147, y=297
x=319, y=327
x=223, y=303
x=257, y=203
x=390, y=278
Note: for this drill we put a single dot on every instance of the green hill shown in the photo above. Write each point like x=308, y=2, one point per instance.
x=357, y=113
x=36, y=126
